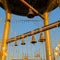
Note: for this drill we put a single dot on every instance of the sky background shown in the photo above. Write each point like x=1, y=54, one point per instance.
x=20, y=25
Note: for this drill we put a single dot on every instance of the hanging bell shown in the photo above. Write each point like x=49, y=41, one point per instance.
x=30, y=13
x=15, y=44
x=33, y=40
x=23, y=43
x=41, y=38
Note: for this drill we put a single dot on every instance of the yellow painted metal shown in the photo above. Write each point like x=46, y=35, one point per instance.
x=47, y=37
x=0, y=43
x=0, y=55
x=5, y=35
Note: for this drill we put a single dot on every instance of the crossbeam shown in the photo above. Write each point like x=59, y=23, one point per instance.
x=38, y=30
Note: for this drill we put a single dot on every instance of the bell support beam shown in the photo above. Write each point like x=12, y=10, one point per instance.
x=47, y=37
x=29, y=6
x=38, y=30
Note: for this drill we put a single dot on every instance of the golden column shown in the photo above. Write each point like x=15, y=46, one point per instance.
x=47, y=36
x=5, y=35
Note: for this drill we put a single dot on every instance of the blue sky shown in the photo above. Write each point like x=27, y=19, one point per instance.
x=20, y=25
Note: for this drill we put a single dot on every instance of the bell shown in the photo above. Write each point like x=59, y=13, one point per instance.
x=33, y=40
x=41, y=38
x=15, y=44
x=30, y=14
x=23, y=43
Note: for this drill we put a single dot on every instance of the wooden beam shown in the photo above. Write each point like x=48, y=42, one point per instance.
x=38, y=30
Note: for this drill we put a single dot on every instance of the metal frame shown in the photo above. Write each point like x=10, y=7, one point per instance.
x=7, y=28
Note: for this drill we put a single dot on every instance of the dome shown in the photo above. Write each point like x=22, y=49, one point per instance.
x=18, y=8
